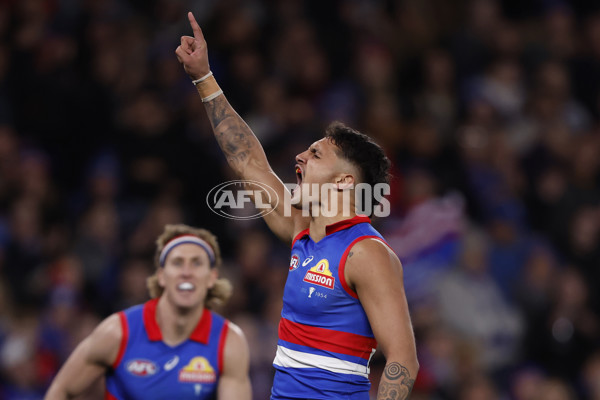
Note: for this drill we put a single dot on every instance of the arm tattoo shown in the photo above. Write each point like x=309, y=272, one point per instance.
x=234, y=137
x=350, y=254
x=397, y=383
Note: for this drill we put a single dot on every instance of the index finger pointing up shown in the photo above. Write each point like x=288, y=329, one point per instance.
x=195, y=27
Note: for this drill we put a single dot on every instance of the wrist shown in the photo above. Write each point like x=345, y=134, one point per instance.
x=207, y=87
x=203, y=78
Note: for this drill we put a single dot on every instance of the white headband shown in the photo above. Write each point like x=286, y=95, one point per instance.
x=182, y=240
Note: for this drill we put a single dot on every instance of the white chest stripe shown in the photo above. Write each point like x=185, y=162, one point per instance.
x=296, y=359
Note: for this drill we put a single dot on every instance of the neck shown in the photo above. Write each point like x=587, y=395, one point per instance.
x=176, y=324
x=318, y=225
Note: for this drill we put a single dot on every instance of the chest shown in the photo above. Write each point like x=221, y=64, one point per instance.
x=155, y=370
x=315, y=276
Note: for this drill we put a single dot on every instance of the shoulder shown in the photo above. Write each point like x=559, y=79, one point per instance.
x=236, y=353
x=109, y=331
x=236, y=340
x=371, y=259
x=372, y=248
x=105, y=341
x=360, y=232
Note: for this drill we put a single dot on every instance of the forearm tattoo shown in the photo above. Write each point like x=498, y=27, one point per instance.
x=233, y=135
x=396, y=383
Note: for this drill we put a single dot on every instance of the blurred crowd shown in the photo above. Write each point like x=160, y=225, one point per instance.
x=488, y=109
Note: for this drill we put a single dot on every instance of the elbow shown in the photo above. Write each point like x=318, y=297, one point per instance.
x=58, y=392
x=241, y=168
x=417, y=366
x=408, y=362
x=412, y=364
x=54, y=394
x=415, y=363
x=237, y=167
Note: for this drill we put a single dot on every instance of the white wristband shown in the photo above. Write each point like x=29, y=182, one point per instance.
x=197, y=81
x=212, y=96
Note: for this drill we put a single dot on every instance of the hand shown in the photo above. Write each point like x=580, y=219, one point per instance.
x=193, y=53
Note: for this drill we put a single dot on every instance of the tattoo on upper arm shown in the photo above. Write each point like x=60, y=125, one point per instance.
x=232, y=134
x=397, y=384
x=350, y=254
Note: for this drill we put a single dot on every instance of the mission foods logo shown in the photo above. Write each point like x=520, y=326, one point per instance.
x=198, y=370
x=226, y=198
x=320, y=275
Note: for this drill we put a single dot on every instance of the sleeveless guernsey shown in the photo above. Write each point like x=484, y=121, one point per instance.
x=325, y=339
x=147, y=368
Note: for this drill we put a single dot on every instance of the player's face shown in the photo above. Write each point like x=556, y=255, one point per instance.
x=187, y=276
x=319, y=164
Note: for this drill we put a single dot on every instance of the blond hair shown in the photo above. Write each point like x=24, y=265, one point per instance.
x=221, y=290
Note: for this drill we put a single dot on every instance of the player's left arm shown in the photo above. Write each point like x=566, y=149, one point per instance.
x=375, y=273
x=234, y=383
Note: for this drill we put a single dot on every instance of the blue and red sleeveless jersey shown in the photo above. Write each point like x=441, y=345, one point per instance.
x=325, y=339
x=148, y=368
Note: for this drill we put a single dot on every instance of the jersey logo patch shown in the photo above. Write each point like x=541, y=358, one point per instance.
x=141, y=367
x=169, y=365
x=305, y=262
x=320, y=275
x=294, y=262
x=198, y=370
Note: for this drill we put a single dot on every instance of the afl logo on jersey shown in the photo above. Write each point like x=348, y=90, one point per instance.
x=320, y=275
x=294, y=262
x=141, y=367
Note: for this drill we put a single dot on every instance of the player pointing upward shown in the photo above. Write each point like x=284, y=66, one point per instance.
x=344, y=293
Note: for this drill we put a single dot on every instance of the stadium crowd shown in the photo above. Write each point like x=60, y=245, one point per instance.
x=489, y=110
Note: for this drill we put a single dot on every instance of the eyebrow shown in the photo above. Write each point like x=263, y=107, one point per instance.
x=185, y=258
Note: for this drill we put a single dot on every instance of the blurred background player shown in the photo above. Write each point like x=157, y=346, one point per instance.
x=344, y=293
x=172, y=346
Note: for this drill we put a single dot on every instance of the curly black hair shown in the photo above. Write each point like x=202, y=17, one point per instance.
x=361, y=151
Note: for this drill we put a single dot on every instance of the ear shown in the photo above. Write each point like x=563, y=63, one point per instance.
x=344, y=182
x=160, y=274
x=214, y=275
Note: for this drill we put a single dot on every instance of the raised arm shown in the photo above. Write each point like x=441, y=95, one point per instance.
x=234, y=383
x=240, y=146
x=375, y=273
x=88, y=362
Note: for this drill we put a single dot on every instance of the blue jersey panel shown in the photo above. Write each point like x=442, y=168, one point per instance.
x=150, y=369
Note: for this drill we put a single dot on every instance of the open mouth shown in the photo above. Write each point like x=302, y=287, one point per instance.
x=298, y=175
x=186, y=286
